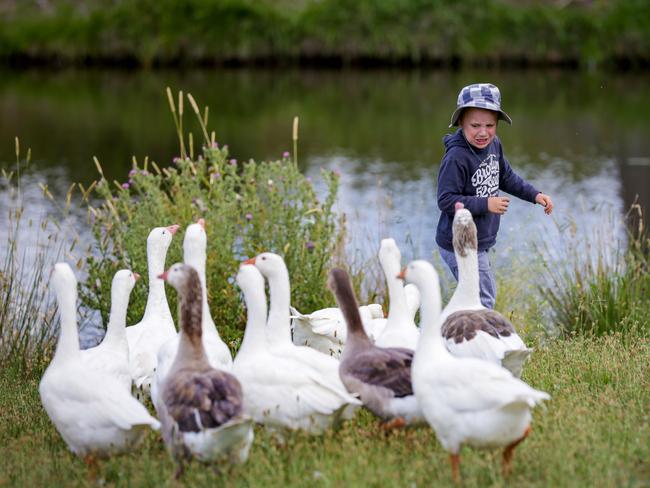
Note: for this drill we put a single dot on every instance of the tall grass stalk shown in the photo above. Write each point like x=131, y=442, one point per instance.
x=28, y=321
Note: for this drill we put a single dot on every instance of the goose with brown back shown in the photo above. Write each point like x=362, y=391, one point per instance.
x=203, y=413
x=381, y=376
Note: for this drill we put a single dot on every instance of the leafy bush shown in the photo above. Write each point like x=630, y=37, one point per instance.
x=249, y=207
x=602, y=290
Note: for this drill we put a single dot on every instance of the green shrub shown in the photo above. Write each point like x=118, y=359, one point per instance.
x=599, y=290
x=249, y=207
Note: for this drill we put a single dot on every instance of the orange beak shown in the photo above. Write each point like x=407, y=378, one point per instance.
x=173, y=228
x=163, y=276
x=136, y=276
x=201, y=222
x=402, y=274
x=250, y=261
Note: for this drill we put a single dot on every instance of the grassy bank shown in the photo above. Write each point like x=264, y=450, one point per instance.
x=593, y=432
x=145, y=32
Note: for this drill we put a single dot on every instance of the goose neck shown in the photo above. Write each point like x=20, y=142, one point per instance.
x=115, y=330
x=254, y=335
x=398, y=308
x=68, y=343
x=467, y=292
x=278, y=329
x=190, y=347
x=157, y=298
x=430, y=336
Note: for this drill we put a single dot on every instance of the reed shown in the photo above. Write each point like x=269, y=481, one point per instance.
x=600, y=284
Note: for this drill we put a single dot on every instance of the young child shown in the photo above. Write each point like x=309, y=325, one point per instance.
x=473, y=170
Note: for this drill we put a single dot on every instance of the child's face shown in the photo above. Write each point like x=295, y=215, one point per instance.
x=479, y=126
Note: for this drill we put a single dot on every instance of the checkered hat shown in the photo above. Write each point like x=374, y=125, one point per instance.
x=479, y=95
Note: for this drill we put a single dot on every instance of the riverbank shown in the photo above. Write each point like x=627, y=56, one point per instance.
x=612, y=34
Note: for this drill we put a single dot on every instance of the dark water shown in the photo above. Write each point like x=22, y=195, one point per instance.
x=582, y=138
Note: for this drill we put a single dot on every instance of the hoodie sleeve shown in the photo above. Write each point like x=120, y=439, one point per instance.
x=451, y=181
x=512, y=183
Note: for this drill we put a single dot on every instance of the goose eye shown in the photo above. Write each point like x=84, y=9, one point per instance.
x=163, y=232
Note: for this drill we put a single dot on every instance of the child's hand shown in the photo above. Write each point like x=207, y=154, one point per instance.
x=545, y=201
x=498, y=205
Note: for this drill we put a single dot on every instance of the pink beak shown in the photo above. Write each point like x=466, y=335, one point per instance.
x=136, y=276
x=459, y=206
x=201, y=222
x=402, y=274
x=250, y=261
x=163, y=276
x=173, y=228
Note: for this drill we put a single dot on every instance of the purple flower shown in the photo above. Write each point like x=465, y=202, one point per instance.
x=125, y=186
x=336, y=173
x=233, y=161
x=133, y=172
x=310, y=245
x=176, y=160
x=249, y=216
x=216, y=176
x=130, y=181
x=144, y=172
x=214, y=145
x=285, y=154
x=308, y=179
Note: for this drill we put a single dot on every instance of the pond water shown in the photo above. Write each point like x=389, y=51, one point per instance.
x=580, y=137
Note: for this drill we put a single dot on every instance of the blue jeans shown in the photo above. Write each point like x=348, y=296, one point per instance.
x=487, y=282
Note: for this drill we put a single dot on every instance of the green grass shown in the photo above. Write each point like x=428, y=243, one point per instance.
x=594, y=432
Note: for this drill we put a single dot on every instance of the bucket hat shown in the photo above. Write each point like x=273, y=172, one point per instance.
x=479, y=95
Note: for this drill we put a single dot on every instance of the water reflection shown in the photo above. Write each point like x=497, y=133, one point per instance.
x=575, y=136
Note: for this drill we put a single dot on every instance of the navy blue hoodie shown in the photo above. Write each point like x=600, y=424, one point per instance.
x=470, y=175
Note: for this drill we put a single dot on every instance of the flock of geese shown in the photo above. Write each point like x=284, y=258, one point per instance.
x=458, y=371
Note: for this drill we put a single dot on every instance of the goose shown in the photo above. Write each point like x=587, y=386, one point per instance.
x=470, y=329
x=112, y=355
x=400, y=329
x=325, y=329
x=157, y=325
x=465, y=400
x=282, y=390
x=203, y=413
x=91, y=410
x=380, y=376
x=219, y=357
x=278, y=331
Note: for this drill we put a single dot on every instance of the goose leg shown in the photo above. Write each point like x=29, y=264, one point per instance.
x=396, y=423
x=455, y=467
x=509, y=451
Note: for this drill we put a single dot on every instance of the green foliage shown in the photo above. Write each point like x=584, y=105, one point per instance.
x=249, y=207
x=168, y=31
x=601, y=289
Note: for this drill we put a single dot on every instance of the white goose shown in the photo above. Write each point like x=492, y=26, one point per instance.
x=465, y=400
x=470, y=329
x=325, y=329
x=92, y=411
x=282, y=390
x=201, y=412
x=218, y=354
x=112, y=355
x=157, y=325
x=400, y=329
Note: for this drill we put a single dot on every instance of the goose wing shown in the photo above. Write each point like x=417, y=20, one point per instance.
x=388, y=368
x=199, y=400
